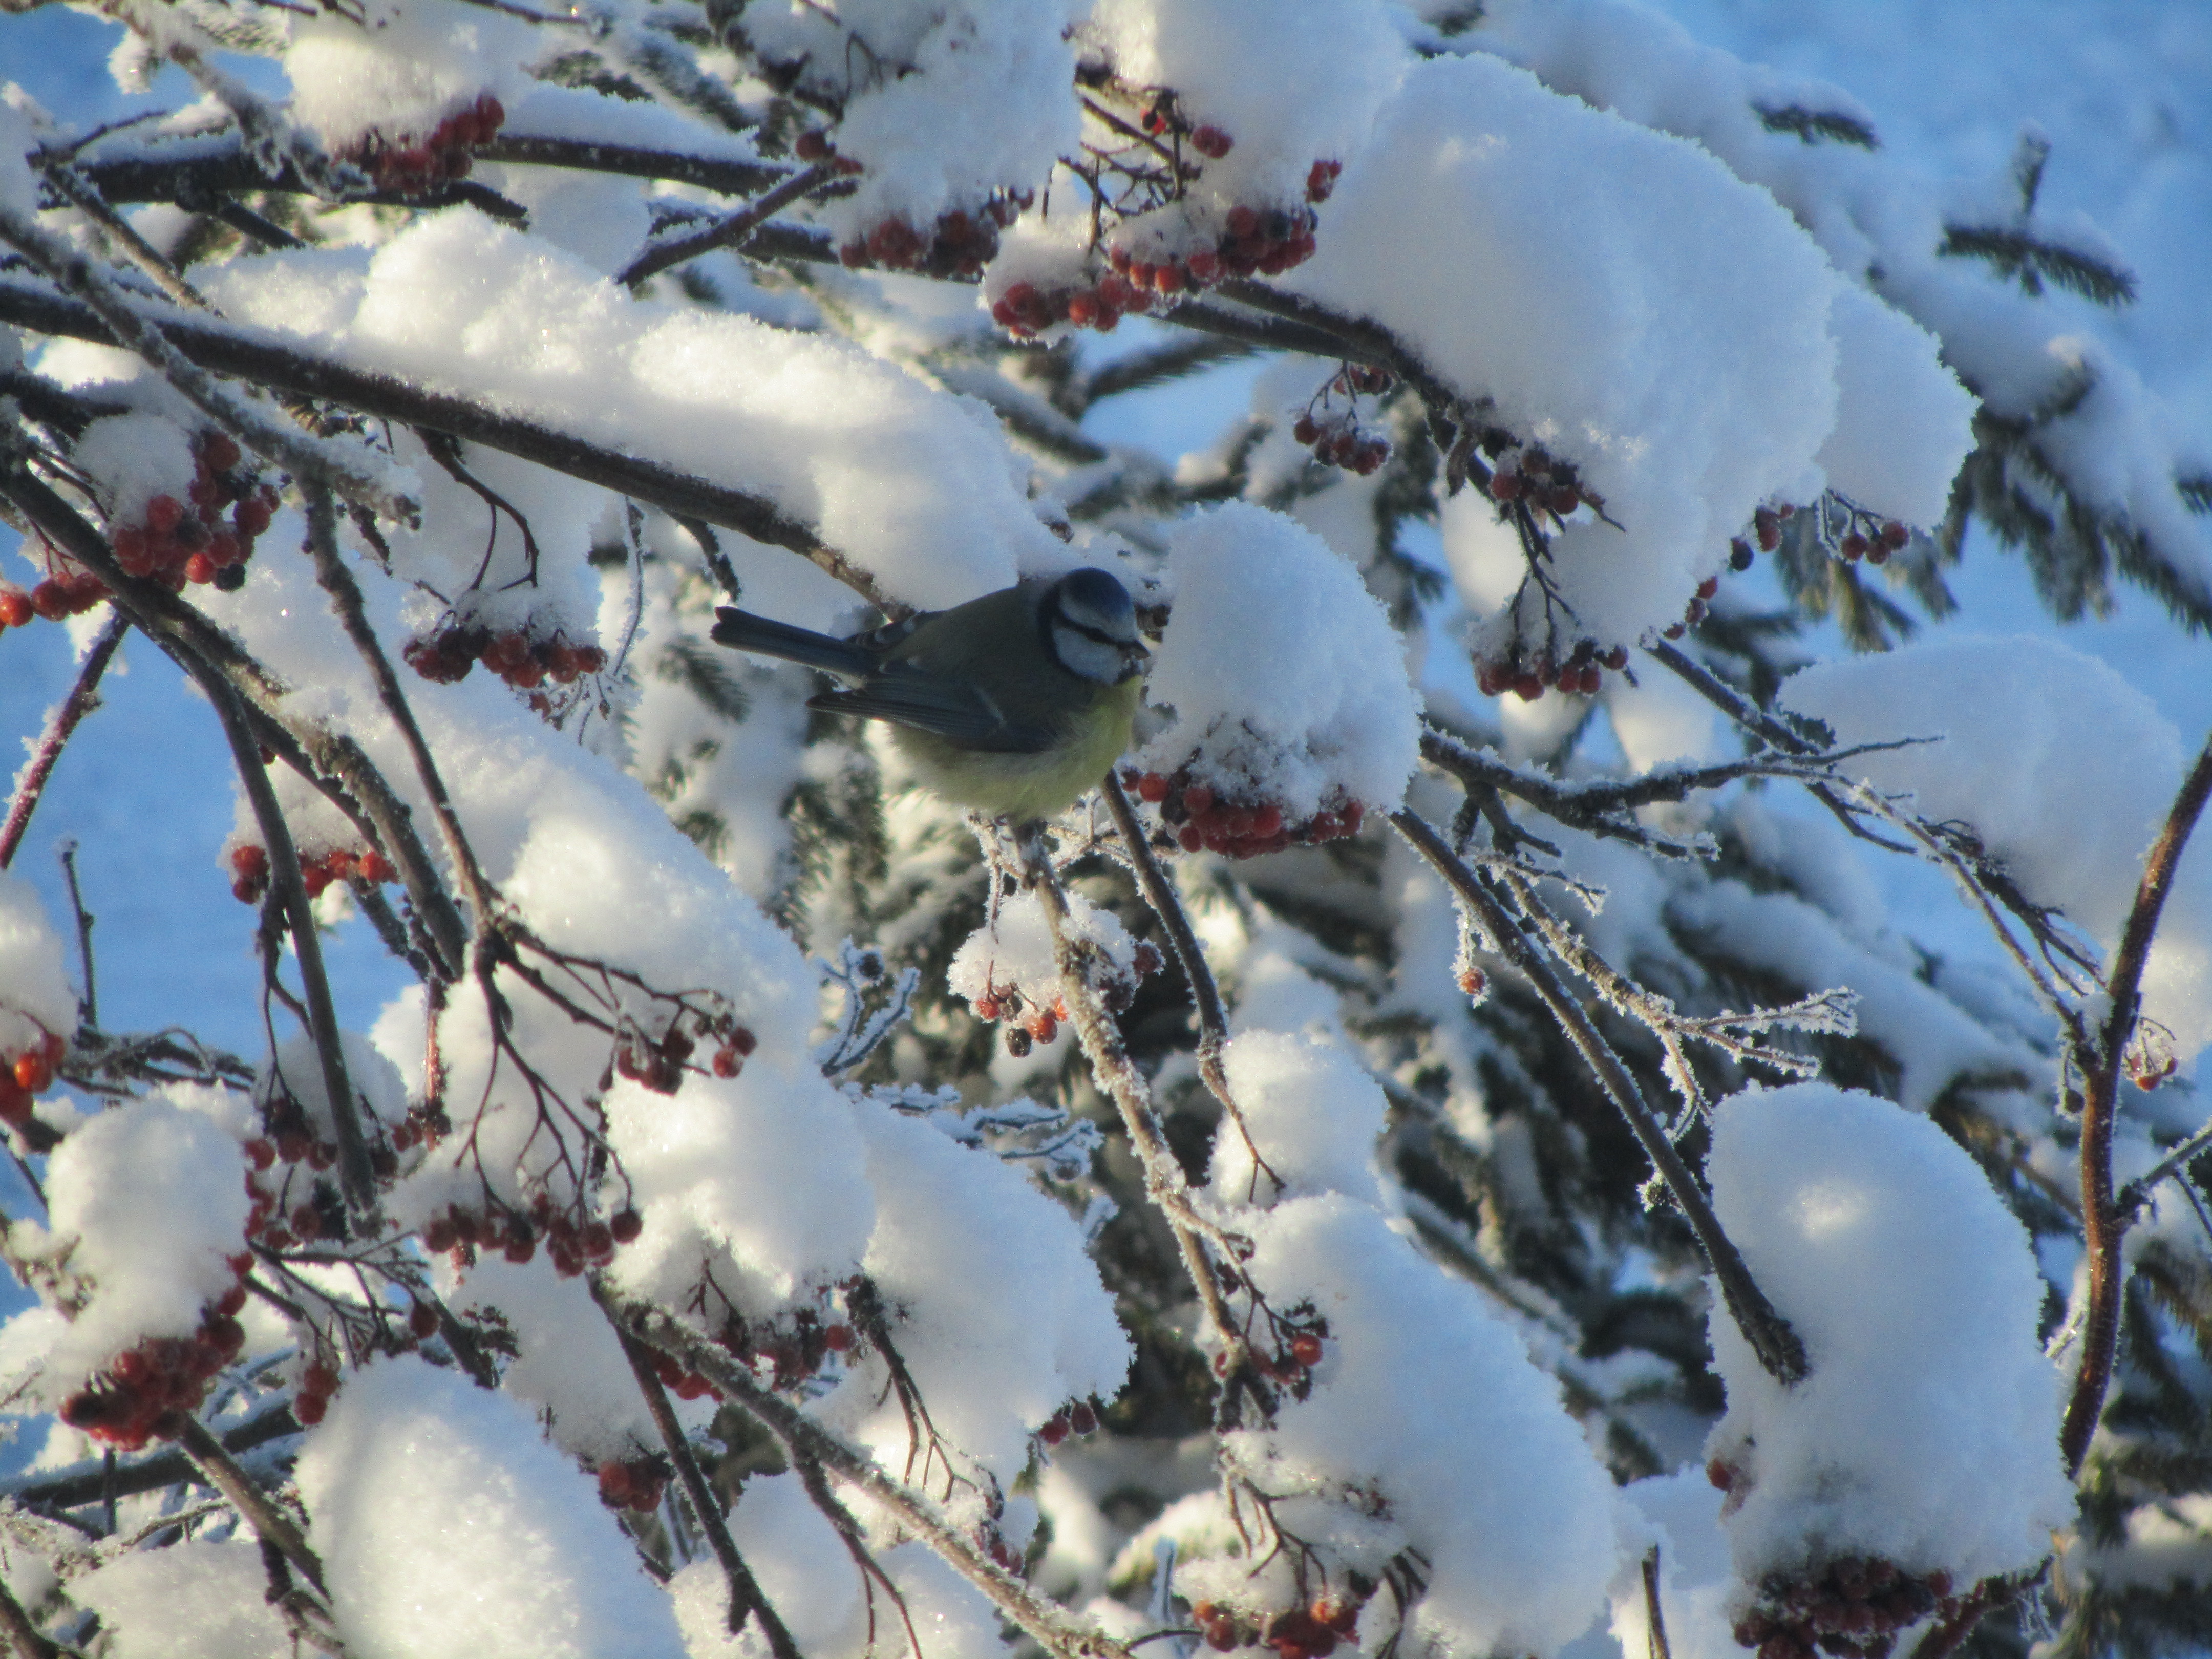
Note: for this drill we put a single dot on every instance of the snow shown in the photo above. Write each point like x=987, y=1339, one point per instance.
x=35, y=997
x=191, y=1600
x=397, y=67
x=1525, y=1569
x=448, y=1529
x=145, y=1203
x=1012, y=951
x=1286, y=676
x=1927, y=1433
x=1689, y=378
x=1313, y=1112
x=2064, y=771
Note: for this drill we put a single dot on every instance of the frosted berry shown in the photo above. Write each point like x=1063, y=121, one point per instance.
x=1211, y=141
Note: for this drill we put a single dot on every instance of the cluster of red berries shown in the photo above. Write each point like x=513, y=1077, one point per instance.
x=317, y=1385
x=1236, y=829
x=960, y=243
x=1852, y=1610
x=27, y=1075
x=179, y=543
x=659, y=1062
x=320, y=1215
x=792, y=1352
x=683, y=1384
x=1026, y=1030
x=1694, y=612
x=1079, y=1419
x=1526, y=473
x=249, y=866
x=635, y=1485
x=446, y=655
x=439, y=157
x=1875, y=549
x=145, y=1387
x=1294, y=1633
x=67, y=593
x=571, y=1246
x=1529, y=676
x=1338, y=439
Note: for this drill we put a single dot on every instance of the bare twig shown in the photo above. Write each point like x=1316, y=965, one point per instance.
x=1780, y=1351
x=83, y=698
x=2103, y=1224
x=732, y=231
x=222, y=1472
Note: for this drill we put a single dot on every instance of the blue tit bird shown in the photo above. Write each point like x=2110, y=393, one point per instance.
x=1015, y=703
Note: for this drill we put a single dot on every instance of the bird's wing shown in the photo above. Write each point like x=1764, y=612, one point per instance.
x=763, y=636
x=959, y=713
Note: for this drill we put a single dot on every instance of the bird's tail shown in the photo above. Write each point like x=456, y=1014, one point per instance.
x=743, y=631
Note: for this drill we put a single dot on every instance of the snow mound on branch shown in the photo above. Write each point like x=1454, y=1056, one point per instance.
x=1421, y=1396
x=402, y=66
x=1290, y=82
x=2064, y=770
x=1314, y=1113
x=147, y=1201
x=1927, y=1434
x=999, y=1315
x=1288, y=682
x=35, y=997
x=189, y=1601
x=567, y=1365
x=1625, y=299
x=961, y=100
x=918, y=488
x=449, y=1529
x=1013, y=952
x=1904, y=424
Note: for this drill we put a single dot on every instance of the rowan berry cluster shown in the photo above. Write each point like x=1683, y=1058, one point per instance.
x=445, y=655
x=683, y=1383
x=1337, y=438
x=1852, y=1609
x=1528, y=675
x=1030, y=1022
x=180, y=542
x=1079, y=1419
x=791, y=1352
x=317, y=1385
x=144, y=1390
x=1530, y=474
x=959, y=243
x=66, y=593
x=1307, y=1632
x=1203, y=818
x=25, y=1076
x=1873, y=543
x=659, y=1062
x=1694, y=612
x=249, y=867
x=414, y=167
x=636, y=1484
x=571, y=1245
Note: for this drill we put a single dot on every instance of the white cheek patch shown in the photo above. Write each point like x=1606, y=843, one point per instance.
x=1094, y=659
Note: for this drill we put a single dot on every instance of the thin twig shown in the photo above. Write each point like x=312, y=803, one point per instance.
x=731, y=232
x=83, y=698
x=1779, y=1349
x=2104, y=1226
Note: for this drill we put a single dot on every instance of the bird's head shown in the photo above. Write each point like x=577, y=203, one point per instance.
x=1090, y=627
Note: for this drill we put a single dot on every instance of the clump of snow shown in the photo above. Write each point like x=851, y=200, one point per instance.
x=1287, y=681
x=35, y=997
x=449, y=1529
x=145, y=1203
x=1688, y=375
x=396, y=67
x=917, y=487
x=1001, y=1316
x=1423, y=1399
x=1926, y=1432
x=1011, y=953
x=1904, y=424
x=19, y=189
x=296, y=1071
x=189, y=1601
x=135, y=458
x=1312, y=1110
x=2064, y=770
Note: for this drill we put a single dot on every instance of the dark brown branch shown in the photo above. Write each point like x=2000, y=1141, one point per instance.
x=68, y=1489
x=265, y=359
x=271, y=1525
x=83, y=698
x=746, y=1597
x=2103, y=1226
x=24, y=1637
x=732, y=231
x=1779, y=1350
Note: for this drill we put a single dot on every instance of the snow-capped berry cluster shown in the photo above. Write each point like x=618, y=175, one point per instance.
x=1694, y=612
x=249, y=867
x=409, y=165
x=959, y=243
x=1337, y=438
x=1028, y=1022
x=138, y=1397
x=1531, y=476
x=1527, y=675
x=571, y=1244
x=659, y=1062
x=1302, y=1632
x=27, y=1075
x=318, y=1382
x=1202, y=817
x=180, y=542
x=1876, y=547
x=635, y=1483
x=1853, y=1609
x=1079, y=1419
x=525, y=661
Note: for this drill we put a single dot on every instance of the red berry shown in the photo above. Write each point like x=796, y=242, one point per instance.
x=1199, y=798
x=1082, y=1419
x=15, y=608
x=838, y=1339
x=1707, y=588
x=626, y=1226
x=164, y=513
x=1305, y=1348
x=51, y=600
x=200, y=568
x=1055, y=1430
x=220, y=451
x=616, y=1488
x=1211, y=141
x=309, y=1409
x=15, y=1102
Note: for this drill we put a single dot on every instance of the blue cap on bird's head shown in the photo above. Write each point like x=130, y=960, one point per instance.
x=1090, y=626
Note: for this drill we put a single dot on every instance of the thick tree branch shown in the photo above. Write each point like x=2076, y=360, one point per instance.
x=271, y=1525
